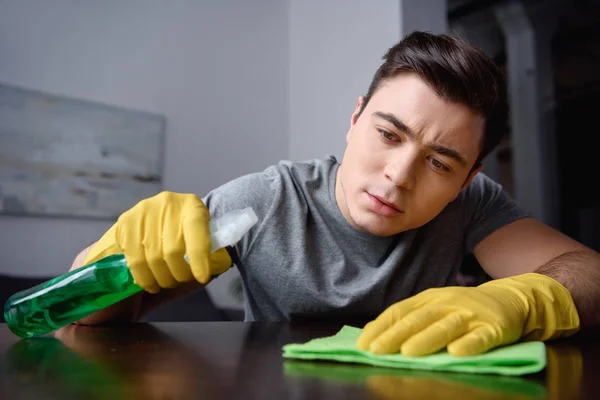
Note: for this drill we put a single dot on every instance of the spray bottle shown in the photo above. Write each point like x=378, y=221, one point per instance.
x=68, y=298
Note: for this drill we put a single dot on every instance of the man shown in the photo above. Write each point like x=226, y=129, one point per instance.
x=382, y=234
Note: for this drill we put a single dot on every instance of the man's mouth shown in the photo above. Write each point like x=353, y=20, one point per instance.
x=383, y=206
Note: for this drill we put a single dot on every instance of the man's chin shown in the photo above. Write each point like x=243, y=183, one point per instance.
x=378, y=225
x=384, y=232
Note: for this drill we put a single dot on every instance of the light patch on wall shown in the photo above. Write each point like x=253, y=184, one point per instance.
x=66, y=157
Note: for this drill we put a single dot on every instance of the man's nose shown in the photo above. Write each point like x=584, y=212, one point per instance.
x=402, y=170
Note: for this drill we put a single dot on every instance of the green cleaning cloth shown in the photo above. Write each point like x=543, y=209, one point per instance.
x=516, y=359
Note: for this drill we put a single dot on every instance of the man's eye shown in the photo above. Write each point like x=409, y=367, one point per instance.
x=388, y=135
x=438, y=165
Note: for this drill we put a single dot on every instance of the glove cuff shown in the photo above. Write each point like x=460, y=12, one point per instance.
x=551, y=311
x=104, y=247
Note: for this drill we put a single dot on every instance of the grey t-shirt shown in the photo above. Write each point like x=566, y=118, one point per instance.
x=303, y=260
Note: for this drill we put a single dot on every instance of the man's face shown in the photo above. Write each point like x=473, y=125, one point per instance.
x=408, y=155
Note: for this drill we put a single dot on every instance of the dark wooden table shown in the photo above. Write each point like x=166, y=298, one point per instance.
x=205, y=360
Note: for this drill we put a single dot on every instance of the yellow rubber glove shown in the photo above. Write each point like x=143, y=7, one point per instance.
x=473, y=320
x=155, y=234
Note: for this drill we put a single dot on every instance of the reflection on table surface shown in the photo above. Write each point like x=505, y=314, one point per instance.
x=243, y=360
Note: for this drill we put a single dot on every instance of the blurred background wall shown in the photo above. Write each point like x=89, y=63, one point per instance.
x=244, y=84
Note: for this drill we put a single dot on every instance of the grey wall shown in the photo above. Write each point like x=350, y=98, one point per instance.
x=335, y=48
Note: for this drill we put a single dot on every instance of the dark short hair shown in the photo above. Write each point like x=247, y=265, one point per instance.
x=457, y=71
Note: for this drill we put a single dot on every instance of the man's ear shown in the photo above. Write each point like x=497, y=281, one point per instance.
x=355, y=115
x=357, y=110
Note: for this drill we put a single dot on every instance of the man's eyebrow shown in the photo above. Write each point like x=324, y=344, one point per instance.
x=391, y=118
x=401, y=126
x=448, y=152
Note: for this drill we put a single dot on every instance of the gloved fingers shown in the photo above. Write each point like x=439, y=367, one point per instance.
x=158, y=267
x=142, y=276
x=174, y=250
x=180, y=269
x=197, y=241
x=383, y=322
x=478, y=341
x=436, y=336
x=151, y=245
x=133, y=249
x=391, y=340
x=219, y=262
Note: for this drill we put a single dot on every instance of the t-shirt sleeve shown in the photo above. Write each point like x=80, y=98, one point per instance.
x=486, y=207
x=257, y=190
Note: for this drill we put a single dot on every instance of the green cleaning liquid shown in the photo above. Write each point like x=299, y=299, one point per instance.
x=70, y=297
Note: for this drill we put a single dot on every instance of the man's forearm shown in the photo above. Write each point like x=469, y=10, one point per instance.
x=579, y=272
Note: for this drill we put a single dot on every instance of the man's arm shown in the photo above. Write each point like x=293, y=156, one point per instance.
x=132, y=308
x=527, y=245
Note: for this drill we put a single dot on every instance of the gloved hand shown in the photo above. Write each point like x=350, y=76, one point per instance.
x=155, y=234
x=473, y=320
